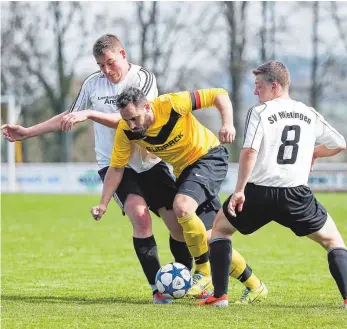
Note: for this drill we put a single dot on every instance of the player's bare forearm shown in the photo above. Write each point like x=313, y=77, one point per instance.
x=110, y=120
x=225, y=108
x=321, y=151
x=112, y=180
x=53, y=124
x=227, y=132
x=248, y=157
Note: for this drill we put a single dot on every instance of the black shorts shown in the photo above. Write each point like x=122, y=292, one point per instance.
x=202, y=181
x=155, y=185
x=207, y=212
x=292, y=207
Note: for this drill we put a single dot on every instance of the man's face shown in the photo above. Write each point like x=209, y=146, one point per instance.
x=136, y=117
x=113, y=64
x=264, y=90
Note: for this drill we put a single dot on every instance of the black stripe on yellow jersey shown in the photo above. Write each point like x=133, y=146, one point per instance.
x=163, y=134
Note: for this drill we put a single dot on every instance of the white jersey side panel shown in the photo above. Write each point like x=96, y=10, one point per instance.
x=101, y=94
x=284, y=132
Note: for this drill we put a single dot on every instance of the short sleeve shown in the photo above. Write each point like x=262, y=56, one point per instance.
x=121, y=148
x=82, y=101
x=327, y=135
x=148, y=84
x=254, y=131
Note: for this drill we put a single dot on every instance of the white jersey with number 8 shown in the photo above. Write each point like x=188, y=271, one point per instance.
x=284, y=132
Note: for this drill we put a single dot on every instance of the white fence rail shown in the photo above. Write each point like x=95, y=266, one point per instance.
x=79, y=178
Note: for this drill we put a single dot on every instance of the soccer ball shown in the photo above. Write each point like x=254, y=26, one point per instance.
x=173, y=280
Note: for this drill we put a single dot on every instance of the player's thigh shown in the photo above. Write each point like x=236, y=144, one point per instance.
x=129, y=195
x=209, y=172
x=159, y=187
x=328, y=236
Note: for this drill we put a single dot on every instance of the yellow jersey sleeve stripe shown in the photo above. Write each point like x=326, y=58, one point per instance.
x=196, y=101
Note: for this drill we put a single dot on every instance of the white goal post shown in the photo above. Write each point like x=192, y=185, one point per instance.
x=9, y=114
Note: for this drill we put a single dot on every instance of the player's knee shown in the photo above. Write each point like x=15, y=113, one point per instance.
x=138, y=213
x=141, y=217
x=329, y=236
x=184, y=206
x=217, y=227
x=142, y=224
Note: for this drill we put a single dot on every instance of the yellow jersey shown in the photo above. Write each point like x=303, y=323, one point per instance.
x=176, y=136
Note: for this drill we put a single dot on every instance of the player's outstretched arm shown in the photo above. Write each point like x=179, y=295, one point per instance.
x=112, y=180
x=110, y=120
x=17, y=133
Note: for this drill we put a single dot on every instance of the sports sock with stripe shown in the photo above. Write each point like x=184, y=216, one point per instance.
x=240, y=270
x=194, y=232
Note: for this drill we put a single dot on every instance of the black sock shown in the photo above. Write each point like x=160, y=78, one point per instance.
x=181, y=253
x=337, y=259
x=147, y=253
x=220, y=258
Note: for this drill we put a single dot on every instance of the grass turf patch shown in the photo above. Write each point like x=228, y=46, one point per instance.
x=61, y=269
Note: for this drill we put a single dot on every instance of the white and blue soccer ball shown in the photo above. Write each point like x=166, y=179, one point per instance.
x=173, y=280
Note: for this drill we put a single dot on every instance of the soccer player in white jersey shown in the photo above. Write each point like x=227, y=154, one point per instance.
x=282, y=137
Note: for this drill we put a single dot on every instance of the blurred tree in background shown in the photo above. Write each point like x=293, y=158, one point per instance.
x=46, y=53
x=36, y=67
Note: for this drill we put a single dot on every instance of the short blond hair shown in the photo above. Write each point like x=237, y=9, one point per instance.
x=106, y=42
x=274, y=71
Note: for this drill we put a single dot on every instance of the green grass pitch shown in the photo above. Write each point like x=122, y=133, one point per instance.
x=61, y=269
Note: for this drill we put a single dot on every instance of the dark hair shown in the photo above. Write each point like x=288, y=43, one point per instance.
x=106, y=42
x=130, y=95
x=274, y=71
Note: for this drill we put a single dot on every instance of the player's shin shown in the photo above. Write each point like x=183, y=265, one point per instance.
x=181, y=253
x=220, y=258
x=147, y=253
x=337, y=259
x=239, y=270
x=194, y=232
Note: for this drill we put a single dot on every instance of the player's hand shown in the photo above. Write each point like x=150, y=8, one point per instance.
x=236, y=202
x=68, y=120
x=15, y=132
x=227, y=134
x=98, y=211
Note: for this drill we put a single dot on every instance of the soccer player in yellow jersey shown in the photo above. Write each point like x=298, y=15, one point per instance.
x=167, y=128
